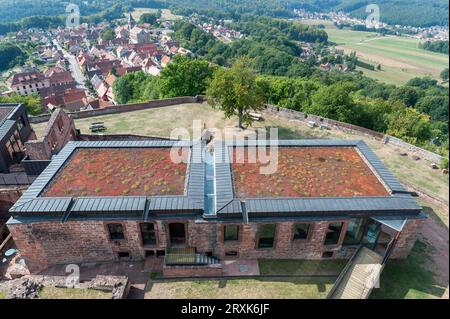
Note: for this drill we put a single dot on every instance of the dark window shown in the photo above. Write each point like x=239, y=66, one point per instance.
x=266, y=236
x=355, y=231
x=160, y=253
x=116, y=231
x=148, y=234
x=333, y=233
x=20, y=123
x=327, y=254
x=149, y=253
x=231, y=232
x=231, y=253
x=124, y=255
x=301, y=231
x=362, y=231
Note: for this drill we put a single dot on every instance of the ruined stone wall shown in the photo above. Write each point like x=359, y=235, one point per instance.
x=407, y=238
x=60, y=130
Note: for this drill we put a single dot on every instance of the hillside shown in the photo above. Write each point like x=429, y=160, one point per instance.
x=405, y=12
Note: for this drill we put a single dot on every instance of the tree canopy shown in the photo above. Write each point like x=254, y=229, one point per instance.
x=185, y=77
x=236, y=92
x=10, y=56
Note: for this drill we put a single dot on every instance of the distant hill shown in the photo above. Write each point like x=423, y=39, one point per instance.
x=12, y=11
x=405, y=12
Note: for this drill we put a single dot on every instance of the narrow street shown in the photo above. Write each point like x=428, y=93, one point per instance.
x=74, y=67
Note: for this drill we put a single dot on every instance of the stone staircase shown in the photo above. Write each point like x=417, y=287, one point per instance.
x=359, y=277
x=188, y=256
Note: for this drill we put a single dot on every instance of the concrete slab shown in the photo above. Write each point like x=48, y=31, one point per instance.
x=241, y=267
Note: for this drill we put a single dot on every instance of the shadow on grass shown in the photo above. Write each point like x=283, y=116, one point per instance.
x=285, y=133
x=292, y=267
x=409, y=278
x=431, y=212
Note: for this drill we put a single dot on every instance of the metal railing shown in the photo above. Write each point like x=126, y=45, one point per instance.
x=172, y=259
x=343, y=273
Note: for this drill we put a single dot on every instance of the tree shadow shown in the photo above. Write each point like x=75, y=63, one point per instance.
x=410, y=278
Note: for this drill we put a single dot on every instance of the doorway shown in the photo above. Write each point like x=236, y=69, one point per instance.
x=177, y=233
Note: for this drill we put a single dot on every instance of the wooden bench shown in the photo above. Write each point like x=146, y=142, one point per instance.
x=97, y=127
x=255, y=116
x=311, y=124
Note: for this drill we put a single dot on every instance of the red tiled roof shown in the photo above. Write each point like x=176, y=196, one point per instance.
x=61, y=77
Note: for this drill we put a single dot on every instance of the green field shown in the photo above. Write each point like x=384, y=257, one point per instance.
x=166, y=14
x=400, y=58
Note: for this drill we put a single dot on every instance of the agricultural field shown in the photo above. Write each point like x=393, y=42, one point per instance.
x=166, y=14
x=400, y=57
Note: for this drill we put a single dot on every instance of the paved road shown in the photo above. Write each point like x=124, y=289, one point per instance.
x=74, y=67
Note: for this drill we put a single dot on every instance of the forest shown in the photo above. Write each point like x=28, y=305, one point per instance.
x=405, y=12
x=435, y=46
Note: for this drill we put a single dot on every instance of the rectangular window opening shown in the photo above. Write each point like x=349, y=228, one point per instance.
x=231, y=233
x=116, y=231
x=301, y=231
x=266, y=236
x=148, y=234
x=333, y=233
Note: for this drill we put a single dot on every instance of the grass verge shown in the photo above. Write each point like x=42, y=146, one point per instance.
x=265, y=288
x=72, y=293
x=409, y=278
x=288, y=267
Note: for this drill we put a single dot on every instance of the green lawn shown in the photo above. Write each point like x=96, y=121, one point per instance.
x=2, y=295
x=264, y=288
x=69, y=293
x=400, y=57
x=288, y=267
x=166, y=14
x=410, y=278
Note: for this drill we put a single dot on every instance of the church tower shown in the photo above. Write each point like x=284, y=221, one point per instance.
x=131, y=22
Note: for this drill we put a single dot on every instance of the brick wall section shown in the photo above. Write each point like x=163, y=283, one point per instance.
x=285, y=246
x=407, y=238
x=45, y=243
x=193, y=271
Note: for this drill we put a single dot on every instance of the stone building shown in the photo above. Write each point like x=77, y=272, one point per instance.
x=15, y=130
x=131, y=200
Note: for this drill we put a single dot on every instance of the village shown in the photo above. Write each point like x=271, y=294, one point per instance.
x=431, y=33
x=78, y=67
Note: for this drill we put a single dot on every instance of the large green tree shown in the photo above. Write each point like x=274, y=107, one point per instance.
x=334, y=102
x=185, y=77
x=10, y=56
x=236, y=92
x=409, y=125
x=32, y=102
x=150, y=18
